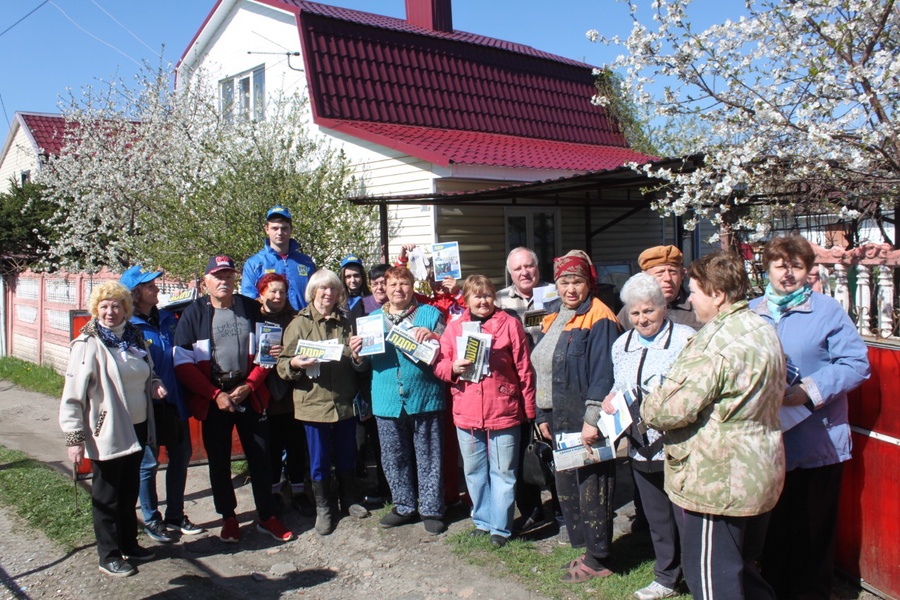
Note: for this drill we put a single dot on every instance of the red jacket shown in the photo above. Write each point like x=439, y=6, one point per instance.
x=503, y=399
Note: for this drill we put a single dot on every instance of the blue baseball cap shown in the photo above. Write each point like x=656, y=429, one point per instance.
x=137, y=275
x=278, y=212
x=352, y=259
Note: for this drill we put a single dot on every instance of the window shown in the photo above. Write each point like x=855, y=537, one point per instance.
x=25, y=177
x=243, y=97
x=538, y=229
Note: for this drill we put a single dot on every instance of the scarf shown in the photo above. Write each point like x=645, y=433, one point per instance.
x=392, y=319
x=778, y=304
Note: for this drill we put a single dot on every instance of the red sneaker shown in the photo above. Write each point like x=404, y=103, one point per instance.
x=231, y=530
x=273, y=527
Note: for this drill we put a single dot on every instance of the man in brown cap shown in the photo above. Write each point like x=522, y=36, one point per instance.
x=666, y=264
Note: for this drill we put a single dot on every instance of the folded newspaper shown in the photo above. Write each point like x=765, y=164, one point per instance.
x=474, y=347
x=321, y=351
x=571, y=453
x=406, y=343
x=268, y=334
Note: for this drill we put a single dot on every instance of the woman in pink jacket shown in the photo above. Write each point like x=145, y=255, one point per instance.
x=489, y=406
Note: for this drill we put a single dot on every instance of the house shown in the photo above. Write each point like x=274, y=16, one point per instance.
x=32, y=137
x=423, y=109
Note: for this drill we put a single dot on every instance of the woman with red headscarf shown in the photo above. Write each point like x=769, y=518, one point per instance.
x=573, y=363
x=286, y=435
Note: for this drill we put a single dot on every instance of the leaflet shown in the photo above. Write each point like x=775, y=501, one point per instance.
x=612, y=426
x=267, y=335
x=329, y=351
x=371, y=330
x=445, y=258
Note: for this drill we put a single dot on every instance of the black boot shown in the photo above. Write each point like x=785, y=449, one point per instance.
x=349, y=493
x=324, y=516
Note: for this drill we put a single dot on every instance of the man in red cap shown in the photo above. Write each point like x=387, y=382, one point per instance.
x=215, y=343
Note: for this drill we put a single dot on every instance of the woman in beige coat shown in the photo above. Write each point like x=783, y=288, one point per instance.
x=106, y=415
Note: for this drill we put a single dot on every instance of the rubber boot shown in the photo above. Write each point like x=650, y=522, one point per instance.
x=324, y=515
x=349, y=493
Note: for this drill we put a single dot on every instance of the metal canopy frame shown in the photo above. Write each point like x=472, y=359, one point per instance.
x=576, y=191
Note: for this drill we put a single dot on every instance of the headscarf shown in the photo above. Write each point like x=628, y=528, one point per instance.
x=577, y=263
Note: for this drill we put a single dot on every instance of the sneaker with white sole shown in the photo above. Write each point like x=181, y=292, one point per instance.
x=654, y=591
x=273, y=527
x=157, y=530
x=185, y=526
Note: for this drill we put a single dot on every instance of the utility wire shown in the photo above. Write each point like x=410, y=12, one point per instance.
x=25, y=17
x=3, y=104
x=104, y=42
x=131, y=33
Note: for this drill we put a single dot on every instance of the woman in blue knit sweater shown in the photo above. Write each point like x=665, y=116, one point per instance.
x=408, y=404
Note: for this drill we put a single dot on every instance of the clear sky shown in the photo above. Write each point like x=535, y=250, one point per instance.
x=70, y=44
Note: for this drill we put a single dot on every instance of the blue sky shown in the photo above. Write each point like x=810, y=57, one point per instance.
x=76, y=43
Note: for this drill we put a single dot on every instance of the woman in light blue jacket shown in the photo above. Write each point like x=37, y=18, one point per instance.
x=826, y=359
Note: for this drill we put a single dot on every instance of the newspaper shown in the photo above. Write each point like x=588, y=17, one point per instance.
x=475, y=347
x=267, y=335
x=322, y=351
x=791, y=416
x=371, y=330
x=445, y=258
x=406, y=343
x=571, y=453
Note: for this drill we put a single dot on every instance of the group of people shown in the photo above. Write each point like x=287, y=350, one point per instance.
x=709, y=376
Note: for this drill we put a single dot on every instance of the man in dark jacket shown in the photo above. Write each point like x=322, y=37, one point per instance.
x=216, y=345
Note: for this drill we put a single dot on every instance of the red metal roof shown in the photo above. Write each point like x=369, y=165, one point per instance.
x=47, y=130
x=445, y=146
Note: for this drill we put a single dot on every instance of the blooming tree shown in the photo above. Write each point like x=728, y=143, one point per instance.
x=153, y=175
x=800, y=99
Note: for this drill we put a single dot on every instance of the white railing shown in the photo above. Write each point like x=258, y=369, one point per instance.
x=872, y=307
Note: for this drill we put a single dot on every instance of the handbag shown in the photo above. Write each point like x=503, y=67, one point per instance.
x=537, y=463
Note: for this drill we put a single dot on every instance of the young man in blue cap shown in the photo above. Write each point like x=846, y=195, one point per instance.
x=158, y=327
x=354, y=279
x=281, y=254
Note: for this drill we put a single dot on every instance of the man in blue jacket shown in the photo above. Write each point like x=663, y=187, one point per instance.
x=158, y=327
x=282, y=255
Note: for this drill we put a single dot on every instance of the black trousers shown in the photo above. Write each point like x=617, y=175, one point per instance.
x=718, y=555
x=286, y=434
x=253, y=431
x=660, y=514
x=586, y=499
x=114, y=495
x=798, y=558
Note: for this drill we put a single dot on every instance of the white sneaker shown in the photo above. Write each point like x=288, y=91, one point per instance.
x=654, y=591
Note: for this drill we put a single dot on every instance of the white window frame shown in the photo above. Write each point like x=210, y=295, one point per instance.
x=242, y=97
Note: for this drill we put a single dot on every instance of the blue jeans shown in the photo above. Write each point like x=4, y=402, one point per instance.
x=176, y=479
x=490, y=460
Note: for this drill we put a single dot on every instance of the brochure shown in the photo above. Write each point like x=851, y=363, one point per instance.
x=371, y=330
x=267, y=335
x=406, y=343
x=445, y=257
x=612, y=426
x=571, y=453
x=542, y=296
x=322, y=351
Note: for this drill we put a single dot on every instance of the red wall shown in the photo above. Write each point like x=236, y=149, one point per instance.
x=869, y=523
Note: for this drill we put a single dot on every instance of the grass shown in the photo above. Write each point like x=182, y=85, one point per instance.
x=539, y=570
x=45, y=499
x=32, y=377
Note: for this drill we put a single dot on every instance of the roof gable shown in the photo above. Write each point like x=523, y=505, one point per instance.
x=46, y=130
x=367, y=67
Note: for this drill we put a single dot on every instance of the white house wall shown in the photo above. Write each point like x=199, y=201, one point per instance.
x=20, y=156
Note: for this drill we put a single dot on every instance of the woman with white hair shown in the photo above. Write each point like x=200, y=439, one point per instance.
x=324, y=393
x=642, y=354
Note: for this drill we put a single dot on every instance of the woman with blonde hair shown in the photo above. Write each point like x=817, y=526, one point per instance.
x=106, y=415
x=489, y=411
